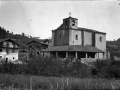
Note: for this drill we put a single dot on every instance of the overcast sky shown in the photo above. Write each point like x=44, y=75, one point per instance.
x=38, y=18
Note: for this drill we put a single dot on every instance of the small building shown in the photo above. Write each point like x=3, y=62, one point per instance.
x=9, y=50
x=82, y=43
x=48, y=41
x=35, y=47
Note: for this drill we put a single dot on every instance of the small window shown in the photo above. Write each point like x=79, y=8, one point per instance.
x=0, y=50
x=38, y=53
x=76, y=37
x=13, y=50
x=7, y=51
x=73, y=22
x=66, y=22
x=100, y=39
x=60, y=35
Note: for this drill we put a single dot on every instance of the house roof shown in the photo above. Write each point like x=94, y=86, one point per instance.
x=2, y=40
x=112, y=46
x=50, y=40
x=77, y=48
x=36, y=41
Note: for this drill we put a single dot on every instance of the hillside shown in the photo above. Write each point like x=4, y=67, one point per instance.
x=114, y=52
x=116, y=42
x=21, y=39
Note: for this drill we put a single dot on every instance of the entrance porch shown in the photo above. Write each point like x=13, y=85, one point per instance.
x=78, y=55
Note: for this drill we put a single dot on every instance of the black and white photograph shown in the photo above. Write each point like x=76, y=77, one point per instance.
x=59, y=44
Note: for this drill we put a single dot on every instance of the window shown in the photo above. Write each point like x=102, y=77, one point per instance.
x=7, y=51
x=13, y=50
x=76, y=37
x=38, y=52
x=0, y=50
x=100, y=39
x=0, y=44
x=60, y=35
x=66, y=22
x=73, y=22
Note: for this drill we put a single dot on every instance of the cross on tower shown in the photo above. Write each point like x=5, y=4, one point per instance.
x=69, y=14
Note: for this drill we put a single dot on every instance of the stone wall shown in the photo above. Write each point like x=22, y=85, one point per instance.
x=101, y=43
x=61, y=37
x=72, y=37
x=88, y=38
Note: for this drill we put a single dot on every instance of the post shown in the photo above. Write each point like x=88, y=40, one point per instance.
x=66, y=54
x=56, y=54
x=98, y=55
x=103, y=55
x=76, y=56
x=43, y=53
x=86, y=55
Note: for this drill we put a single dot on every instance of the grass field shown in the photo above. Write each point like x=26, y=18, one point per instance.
x=23, y=82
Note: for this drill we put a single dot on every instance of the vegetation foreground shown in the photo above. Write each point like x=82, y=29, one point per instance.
x=56, y=74
x=23, y=82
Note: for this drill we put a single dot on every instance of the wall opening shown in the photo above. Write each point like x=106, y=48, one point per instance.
x=73, y=22
x=0, y=50
x=76, y=37
x=100, y=39
x=60, y=35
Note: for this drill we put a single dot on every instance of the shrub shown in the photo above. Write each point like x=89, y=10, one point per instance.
x=57, y=67
x=107, y=69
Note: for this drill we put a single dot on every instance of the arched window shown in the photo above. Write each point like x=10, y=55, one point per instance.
x=76, y=37
x=73, y=22
x=100, y=39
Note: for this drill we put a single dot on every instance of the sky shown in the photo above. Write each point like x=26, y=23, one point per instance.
x=38, y=18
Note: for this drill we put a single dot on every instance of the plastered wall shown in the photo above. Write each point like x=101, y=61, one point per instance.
x=72, y=37
x=61, y=37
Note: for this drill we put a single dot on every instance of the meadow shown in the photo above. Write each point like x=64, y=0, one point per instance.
x=56, y=74
x=25, y=82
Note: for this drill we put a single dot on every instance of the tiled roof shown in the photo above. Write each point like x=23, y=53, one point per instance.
x=114, y=46
x=90, y=30
x=12, y=40
x=61, y=27
x=50, y=40
x=70, y=17
x=36, y=41
x=78, y=48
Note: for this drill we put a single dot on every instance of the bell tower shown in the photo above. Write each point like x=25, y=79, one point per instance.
x=70, y=22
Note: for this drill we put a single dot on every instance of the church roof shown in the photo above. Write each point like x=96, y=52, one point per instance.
x=61, y=27
x=77, y=48
x=70, y=18
x=90, y=30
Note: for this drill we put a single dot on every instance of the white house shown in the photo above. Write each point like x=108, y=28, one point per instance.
x=9, y=50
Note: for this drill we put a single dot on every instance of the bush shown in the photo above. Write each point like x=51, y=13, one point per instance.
x=57, y=67
x=107, y=69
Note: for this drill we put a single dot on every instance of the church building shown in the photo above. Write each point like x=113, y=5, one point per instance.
x=82, y=43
